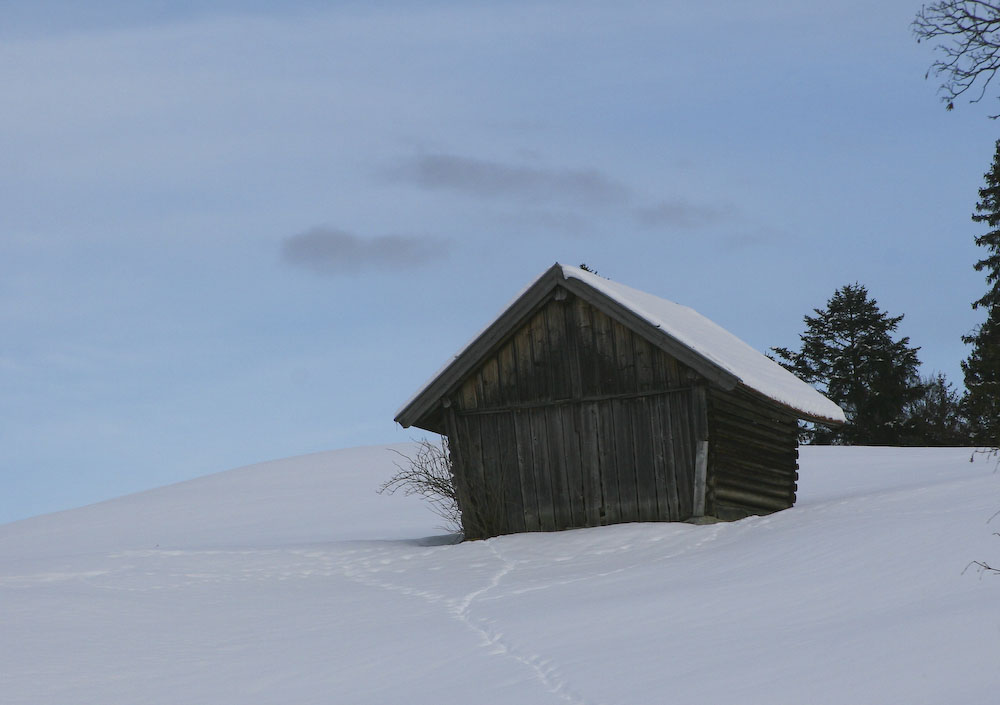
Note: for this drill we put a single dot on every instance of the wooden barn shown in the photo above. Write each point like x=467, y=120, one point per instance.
x=586, y=402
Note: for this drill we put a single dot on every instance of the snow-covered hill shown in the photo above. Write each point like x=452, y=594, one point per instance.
x=293, y=582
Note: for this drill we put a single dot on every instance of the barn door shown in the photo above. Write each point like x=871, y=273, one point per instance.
x=596, y=462
x=576, y=464
x=646, y=455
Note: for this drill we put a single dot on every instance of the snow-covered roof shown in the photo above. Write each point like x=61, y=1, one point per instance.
x=753, y=369
x=710, y=348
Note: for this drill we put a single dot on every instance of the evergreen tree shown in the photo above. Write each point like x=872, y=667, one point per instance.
x=935, y=418
x=848, y=353
x=982, y=368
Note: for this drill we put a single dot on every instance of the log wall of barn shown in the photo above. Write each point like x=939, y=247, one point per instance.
x=753, y=456
x=573, y=421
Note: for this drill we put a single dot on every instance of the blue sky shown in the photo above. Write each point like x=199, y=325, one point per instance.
x=231, y=232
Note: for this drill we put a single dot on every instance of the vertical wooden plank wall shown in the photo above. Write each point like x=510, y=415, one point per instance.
x=573, y=421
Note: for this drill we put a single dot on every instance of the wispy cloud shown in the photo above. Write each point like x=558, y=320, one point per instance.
x=491, y=179
x=331, y=251
x=562, y=198
x=678, y=213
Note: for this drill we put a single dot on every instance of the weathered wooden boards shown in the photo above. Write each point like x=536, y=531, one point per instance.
x=754, y=456
x=573, y=421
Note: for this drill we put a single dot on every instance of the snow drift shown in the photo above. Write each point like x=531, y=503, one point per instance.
x=293, y=582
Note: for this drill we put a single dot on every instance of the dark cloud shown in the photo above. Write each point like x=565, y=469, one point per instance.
x=681, y=214
x=331, y=251
x=490, y=179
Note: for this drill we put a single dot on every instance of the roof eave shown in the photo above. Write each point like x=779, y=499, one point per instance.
x=798, y=413
x=425, y=401
x=418, y=411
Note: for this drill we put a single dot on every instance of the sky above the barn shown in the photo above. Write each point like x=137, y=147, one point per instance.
x=235, y=231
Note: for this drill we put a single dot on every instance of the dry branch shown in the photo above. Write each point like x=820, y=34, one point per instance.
x=428, y=475
x=970, y=50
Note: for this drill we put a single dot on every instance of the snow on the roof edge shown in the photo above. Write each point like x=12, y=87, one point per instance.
x=709, y=340
x=754, y=369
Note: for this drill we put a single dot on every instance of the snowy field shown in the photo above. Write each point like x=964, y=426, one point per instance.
x=293, y=582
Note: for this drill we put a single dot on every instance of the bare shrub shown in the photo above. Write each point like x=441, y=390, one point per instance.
x=983, y=566
x=427, y=474
x=988, y=453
